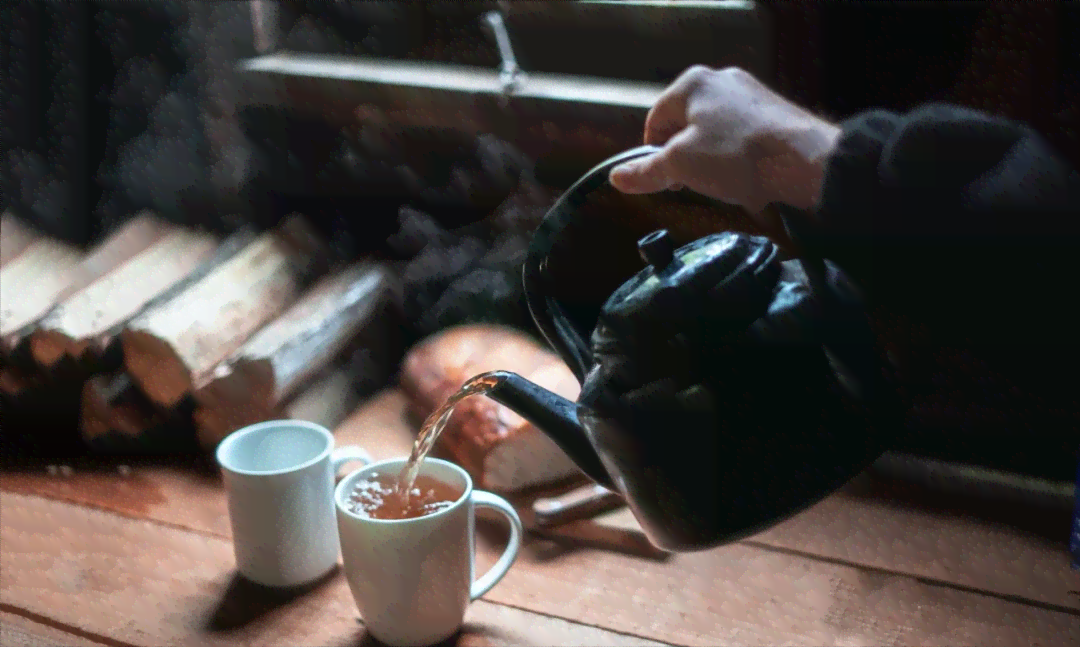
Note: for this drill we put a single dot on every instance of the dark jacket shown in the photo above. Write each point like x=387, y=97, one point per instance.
x=963, y=230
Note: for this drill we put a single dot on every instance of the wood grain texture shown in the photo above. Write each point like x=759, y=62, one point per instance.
x=708, y=586
x=64, y=271
x=746, y=593
x=17, y=631
x=32, y=282
x=138, y=583
x=845, y=527
x=253, y=383
x=131, y=239
x=15, y=237
x=172, y=346
x=104, y=410
x=84, y=320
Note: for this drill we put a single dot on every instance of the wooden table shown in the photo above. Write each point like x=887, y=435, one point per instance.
x=142, y=556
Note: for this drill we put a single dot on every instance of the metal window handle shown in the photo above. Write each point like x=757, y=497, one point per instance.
x=510, y=74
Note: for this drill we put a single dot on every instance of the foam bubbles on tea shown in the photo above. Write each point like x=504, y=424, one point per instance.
x=377, y=497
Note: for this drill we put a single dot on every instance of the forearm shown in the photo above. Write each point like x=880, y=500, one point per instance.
x=937, y=177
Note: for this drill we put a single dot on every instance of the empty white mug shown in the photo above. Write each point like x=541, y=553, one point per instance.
x=413, y=579
x=279, y=478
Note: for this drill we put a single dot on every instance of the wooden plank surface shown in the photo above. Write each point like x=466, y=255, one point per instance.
x=18, y=631
x=742, y=593
x=953, y=548
x=135, y=582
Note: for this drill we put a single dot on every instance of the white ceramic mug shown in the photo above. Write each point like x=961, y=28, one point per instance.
x=279, y=477
x=413, y=579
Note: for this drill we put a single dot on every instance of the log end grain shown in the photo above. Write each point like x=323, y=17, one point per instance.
x=155, y=367
x=116, y=419
x=253, y=383
x=213, y=425
x=13, y=383
x=232, y=401
x=48, y=347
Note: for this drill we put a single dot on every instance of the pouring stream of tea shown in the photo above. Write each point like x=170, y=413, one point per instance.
x=434, y=425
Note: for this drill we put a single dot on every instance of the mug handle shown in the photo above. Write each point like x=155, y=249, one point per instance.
x=488, y=500
x=348, y=454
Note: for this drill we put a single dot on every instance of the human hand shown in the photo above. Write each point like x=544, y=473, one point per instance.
x=726, y=135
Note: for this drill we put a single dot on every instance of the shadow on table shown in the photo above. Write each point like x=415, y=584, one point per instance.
x=471, y=635
x=1052, y=524
x=244, y=601
x=542, y=546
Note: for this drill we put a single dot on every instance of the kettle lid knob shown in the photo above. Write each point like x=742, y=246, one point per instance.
x=657, y=249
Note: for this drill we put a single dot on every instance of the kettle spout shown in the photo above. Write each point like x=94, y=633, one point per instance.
x=555, y=416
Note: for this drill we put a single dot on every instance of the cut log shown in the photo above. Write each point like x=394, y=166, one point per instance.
x=85, y=323
x=253, y=383
x=500, y=449
x=115, y=418
x=175, y=345
x=13, y=382
x=109, y=347
x=31, y=282
x=61, y=272
x=105, y=408
x=15, y=237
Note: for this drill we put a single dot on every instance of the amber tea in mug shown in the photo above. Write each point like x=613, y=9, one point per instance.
x=378, y=496
x=412, y=572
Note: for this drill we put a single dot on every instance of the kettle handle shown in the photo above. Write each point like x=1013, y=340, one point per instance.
x=852, y=342
x=554, y=325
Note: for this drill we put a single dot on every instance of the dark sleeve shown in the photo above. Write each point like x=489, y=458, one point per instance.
x=918, y=207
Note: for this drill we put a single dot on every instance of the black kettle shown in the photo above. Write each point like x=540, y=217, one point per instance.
x=724, y=388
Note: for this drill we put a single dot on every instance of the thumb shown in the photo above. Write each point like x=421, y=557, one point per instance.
x=643, y=175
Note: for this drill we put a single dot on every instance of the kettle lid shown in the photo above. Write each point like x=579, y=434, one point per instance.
x=728, y=276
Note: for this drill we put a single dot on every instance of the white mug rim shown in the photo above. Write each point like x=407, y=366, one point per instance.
x=227, y=444
x=351, y=476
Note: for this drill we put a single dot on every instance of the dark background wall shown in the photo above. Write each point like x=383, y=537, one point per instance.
x=1015, y=59
x=114, y=106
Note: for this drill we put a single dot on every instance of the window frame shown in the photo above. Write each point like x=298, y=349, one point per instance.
x=601, y=38
x=565, y=134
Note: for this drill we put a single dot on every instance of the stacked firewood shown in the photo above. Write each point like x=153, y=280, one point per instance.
x=162, y=339
x=175, y=338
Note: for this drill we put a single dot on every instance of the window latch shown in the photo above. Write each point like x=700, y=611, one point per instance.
x=510, y=74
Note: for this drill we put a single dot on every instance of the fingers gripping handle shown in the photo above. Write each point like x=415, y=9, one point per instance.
x=554, y=325
x=484, y=583
x=349, y=454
